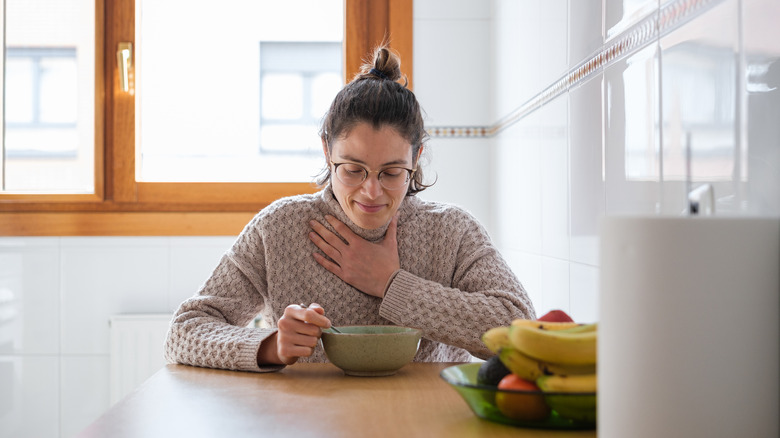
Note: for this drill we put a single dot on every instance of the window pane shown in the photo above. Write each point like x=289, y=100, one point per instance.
x=292, y=138
x=236, y=102
x=49, y=96
x=324, y=87
x=59, y=90
x=19, y=98
x=282, y=96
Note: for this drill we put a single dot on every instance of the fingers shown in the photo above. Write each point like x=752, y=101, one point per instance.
x=319, y=310
x=289, y=349
x=299, y=329
x=313, y=314
x=324, y=246
x=316, y=307
x=340, y=228
x=328, y=236
x=327, y=264
x=290, y=327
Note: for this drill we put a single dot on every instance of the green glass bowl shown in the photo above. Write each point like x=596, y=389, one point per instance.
x=568, y=411
x=373, y=350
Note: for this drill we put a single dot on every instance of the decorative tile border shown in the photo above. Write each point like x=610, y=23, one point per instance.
x=459, y=131
x=641, y=34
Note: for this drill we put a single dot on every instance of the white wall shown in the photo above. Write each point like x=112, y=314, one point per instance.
x=540, y=185
x=56, y=295
x=614, y=142
x=451, y=62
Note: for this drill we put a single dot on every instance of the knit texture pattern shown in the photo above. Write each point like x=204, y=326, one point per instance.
x=453, y=284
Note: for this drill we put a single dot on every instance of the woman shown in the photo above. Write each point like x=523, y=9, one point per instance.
x=364, y=250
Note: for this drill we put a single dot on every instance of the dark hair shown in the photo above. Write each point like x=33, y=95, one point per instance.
x=375, y=96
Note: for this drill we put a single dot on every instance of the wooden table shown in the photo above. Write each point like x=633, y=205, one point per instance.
x=303, y=400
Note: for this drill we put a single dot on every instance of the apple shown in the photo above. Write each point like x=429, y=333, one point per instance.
x=555, y=316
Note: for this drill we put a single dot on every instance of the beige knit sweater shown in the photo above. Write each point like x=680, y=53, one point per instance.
x=453, y=284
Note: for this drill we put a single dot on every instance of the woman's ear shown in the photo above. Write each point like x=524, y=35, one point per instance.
x=325, y=150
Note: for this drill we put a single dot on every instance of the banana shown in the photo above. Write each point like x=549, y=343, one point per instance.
x=559, y=369
x=582, y=328
x=547, y=325
x=496, y=338
x=555, y=346
x=531, y=369
x=521, y=365
x=583, y=383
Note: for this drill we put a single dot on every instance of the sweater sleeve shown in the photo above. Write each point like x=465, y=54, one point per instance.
x=210, y=329
x=484, y=294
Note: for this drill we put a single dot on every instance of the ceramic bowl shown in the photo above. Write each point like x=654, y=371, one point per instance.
x=374, y=350
x=567, y=410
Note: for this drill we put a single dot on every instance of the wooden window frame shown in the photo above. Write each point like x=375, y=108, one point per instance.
x=122, y=206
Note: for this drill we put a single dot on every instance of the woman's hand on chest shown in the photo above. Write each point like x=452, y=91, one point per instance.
x=365, y=265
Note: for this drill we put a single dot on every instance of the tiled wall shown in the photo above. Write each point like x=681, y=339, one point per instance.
x=56, y=295
x=608, y=144
x=452, y=58
x=616, y=141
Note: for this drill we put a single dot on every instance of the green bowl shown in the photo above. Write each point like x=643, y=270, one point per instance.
x=373, y=350
x=568, y=411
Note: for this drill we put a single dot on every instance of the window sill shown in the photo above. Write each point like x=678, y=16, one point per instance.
x=138, y=223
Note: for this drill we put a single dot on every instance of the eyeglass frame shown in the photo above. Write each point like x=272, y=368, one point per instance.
x=367, y=172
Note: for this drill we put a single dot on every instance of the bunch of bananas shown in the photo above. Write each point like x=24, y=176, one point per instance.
x=560, y=357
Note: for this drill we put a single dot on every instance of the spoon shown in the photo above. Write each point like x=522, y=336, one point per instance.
x=332, y=327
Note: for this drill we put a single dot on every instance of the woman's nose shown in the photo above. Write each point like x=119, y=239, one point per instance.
x=371, y=186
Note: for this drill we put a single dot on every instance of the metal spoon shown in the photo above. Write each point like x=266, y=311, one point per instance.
x=332, y=327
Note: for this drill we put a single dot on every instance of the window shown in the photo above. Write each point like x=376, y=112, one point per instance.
x=48, y=134
x=124, y=200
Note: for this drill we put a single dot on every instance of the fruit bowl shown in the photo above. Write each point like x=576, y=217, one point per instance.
x=565, y=407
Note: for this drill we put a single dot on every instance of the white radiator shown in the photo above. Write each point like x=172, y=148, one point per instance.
x=136, y=350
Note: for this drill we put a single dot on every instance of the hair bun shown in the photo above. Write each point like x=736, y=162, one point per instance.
x=380, y=74
x=386, y=65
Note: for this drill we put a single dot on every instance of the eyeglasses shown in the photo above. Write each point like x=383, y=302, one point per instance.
x=391, y=178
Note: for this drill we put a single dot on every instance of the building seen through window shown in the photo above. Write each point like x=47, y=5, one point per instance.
x=297, y=83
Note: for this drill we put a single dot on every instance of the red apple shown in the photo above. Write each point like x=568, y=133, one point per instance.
x=555, y=316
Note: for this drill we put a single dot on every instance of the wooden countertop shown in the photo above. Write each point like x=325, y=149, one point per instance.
x=303, y=400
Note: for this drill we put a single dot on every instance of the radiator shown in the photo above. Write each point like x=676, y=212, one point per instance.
x=136, y=350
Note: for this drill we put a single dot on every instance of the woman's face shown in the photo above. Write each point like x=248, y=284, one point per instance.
x=369, y=205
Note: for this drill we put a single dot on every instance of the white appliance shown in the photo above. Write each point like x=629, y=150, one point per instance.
x=689, y=337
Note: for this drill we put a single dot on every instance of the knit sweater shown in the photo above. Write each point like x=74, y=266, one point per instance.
x=453, y=284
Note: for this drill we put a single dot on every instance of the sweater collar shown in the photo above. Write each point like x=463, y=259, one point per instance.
x=333, y=208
